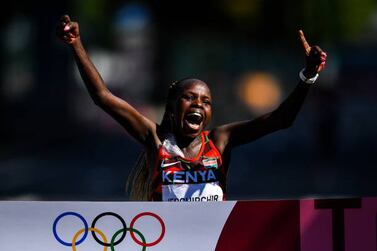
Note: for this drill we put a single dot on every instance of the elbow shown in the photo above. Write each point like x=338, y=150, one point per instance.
x=97, y=101
x=283, y=120
x=100, y=99
x=286, y=124
x=287, y=121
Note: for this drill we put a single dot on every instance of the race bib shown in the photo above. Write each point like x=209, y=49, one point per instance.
x=192, y=192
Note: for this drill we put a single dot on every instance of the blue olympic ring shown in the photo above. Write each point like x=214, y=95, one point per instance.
x=74, y=214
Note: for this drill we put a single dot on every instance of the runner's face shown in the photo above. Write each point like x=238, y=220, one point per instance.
x=194, y=109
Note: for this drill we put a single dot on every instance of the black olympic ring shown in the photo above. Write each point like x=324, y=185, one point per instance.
x=116, y=216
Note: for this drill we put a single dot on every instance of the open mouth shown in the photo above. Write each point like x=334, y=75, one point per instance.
x=193, y=120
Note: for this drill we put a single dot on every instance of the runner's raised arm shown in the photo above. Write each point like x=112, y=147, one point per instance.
x=243, y=132
x=137, y=125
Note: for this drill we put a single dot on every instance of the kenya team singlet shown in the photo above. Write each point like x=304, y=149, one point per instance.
x=177, y=178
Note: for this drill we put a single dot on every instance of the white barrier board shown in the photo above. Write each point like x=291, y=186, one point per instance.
x=46, y=226
x=347, y=224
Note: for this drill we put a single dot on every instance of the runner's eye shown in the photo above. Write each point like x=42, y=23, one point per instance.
x=207, y=102
x=188, y=97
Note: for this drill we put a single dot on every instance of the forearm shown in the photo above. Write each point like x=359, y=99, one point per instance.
x=88, y=72
x=315, y=62
x=286, y=113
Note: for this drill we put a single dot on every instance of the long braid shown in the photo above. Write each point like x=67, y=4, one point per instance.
x=137, y=185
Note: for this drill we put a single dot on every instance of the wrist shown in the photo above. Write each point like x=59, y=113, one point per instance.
x=308, y=77
x=309, y=72
x=75, y=41
x=76, y=45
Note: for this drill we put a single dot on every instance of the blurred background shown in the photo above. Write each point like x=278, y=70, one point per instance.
x=55, y=144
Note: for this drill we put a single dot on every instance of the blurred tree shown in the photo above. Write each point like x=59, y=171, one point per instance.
x=245, y=14
x=337, y=20
x=94, y=19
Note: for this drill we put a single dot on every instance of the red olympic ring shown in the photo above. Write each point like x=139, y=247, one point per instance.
x=162, y=229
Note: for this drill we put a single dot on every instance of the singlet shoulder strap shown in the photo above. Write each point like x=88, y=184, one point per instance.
x=206, y=138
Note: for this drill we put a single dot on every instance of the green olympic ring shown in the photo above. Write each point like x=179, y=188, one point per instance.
x=131, y=230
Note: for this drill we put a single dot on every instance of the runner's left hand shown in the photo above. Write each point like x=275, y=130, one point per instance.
x=315, y=57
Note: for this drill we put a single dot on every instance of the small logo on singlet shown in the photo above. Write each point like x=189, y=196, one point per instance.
x=210, y=162
x=164, y=165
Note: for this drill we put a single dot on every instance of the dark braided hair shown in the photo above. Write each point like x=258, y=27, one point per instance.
x=139, y=183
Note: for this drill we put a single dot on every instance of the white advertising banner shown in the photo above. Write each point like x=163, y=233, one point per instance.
x=64, y=226
x=347, y=224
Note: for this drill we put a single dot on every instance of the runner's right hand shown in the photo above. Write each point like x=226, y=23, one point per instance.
x=67, y=30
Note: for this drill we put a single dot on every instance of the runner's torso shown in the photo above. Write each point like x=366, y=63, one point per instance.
x=201, y=178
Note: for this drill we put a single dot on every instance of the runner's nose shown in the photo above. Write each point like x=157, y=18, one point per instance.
x=197, y=103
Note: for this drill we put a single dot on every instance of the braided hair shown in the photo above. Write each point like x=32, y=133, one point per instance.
x=139, y=183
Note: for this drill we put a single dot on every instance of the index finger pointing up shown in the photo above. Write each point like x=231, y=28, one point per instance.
x=304, y=43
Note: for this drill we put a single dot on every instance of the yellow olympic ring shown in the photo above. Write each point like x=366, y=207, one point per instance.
x=92, y=230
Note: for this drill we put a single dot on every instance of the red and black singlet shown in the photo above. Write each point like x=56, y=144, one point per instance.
x=202, y=178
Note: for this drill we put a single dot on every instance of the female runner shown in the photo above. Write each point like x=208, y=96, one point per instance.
x=182, y=161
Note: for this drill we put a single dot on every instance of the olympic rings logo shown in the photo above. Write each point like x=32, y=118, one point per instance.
x=104, y=242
